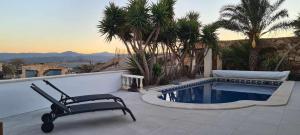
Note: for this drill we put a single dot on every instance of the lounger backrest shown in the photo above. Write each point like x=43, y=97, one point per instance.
x=54, y=87
x=49, y=98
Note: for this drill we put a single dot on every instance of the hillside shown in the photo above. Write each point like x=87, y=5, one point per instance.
x=68, y=56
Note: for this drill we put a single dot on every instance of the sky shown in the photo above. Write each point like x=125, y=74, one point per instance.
x=71, y=25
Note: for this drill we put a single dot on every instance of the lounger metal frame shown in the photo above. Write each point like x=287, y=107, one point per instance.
x=66, y=99
x=66, y=110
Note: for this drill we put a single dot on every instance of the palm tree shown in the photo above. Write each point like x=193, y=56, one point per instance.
x=138, y=25
x=296, y=24
x=210, y=39
x=254, y=18
x=188, y=34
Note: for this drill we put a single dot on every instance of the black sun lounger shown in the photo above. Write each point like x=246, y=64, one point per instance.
x=66, y=99
x=49, y=118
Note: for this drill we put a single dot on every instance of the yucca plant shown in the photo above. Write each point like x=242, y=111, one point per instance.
x=133, y=66
x=138, y=25
x=254, y=18
x=188, y=34
x=210, y=38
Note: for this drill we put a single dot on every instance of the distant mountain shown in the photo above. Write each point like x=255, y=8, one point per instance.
x=68, y=56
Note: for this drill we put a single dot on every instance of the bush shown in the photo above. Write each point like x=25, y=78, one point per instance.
x=133, y=66
x=269, y=63
x=236, y=57
x=157, y=70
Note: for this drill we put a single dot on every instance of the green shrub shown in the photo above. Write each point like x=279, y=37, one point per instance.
x=269, y=63
x=133, y=66
x=157, y=70
x=236, y=57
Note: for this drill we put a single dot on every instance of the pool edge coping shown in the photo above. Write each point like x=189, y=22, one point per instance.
x=279, y=98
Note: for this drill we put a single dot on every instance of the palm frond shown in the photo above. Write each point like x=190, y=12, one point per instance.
x=277, y=4
x=138, y=15
x=231, y=25
x=209, y=37
x=280, y=25
x=112, y=22
x=161, y=15
x=254, y=17
x=279, y=15
x=192, y=15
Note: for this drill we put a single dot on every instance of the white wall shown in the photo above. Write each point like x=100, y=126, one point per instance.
x=17, y=97
x=208, y=63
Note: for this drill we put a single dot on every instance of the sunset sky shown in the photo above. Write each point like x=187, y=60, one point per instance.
x=70, y=25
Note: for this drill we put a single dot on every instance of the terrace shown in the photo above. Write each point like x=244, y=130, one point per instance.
x=240, y=87
x=151, y=119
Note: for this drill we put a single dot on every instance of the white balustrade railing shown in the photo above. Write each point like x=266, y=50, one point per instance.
x=127, y=81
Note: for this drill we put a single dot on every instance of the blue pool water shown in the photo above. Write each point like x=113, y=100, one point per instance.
x=218, y=92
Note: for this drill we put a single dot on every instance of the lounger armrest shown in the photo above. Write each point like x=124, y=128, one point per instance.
x=57, y=89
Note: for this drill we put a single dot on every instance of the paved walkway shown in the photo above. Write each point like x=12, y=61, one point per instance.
x=155, y=120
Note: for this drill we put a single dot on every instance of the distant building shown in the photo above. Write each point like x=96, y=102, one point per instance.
x=38, y=70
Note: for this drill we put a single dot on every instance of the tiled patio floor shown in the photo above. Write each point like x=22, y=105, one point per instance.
x=155, y=120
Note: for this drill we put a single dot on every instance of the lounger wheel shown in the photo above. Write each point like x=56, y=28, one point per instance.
x=46, y=118
x=56, y=109
x=47, y=127
x=53, y=107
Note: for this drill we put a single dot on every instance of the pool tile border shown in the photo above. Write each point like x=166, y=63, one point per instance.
x=279, y=98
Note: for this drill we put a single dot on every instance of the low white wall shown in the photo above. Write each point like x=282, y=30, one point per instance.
x=17, y=97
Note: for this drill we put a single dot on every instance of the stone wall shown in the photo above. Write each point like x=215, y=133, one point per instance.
x=277, y=43
x=280, y=44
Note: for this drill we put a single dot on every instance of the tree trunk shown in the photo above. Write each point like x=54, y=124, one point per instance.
x=146, y=69
x=253, y=58
x=133, y=58
x=182, y=66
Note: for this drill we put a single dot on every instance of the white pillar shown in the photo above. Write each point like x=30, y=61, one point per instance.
x=219, y=63
x=141, y=83
x=208, y=63
x=193, y=63
x=137, y=82
x=123, y=82
x=127, y=83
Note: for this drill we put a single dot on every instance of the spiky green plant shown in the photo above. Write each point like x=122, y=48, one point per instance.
x=138, y=25
x=210, y=38
x=188, y=34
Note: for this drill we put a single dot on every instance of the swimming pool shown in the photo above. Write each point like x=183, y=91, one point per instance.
x=220, y=91
x=235, y=93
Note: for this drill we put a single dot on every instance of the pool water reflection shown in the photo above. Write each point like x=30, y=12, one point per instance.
x=219, y=92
